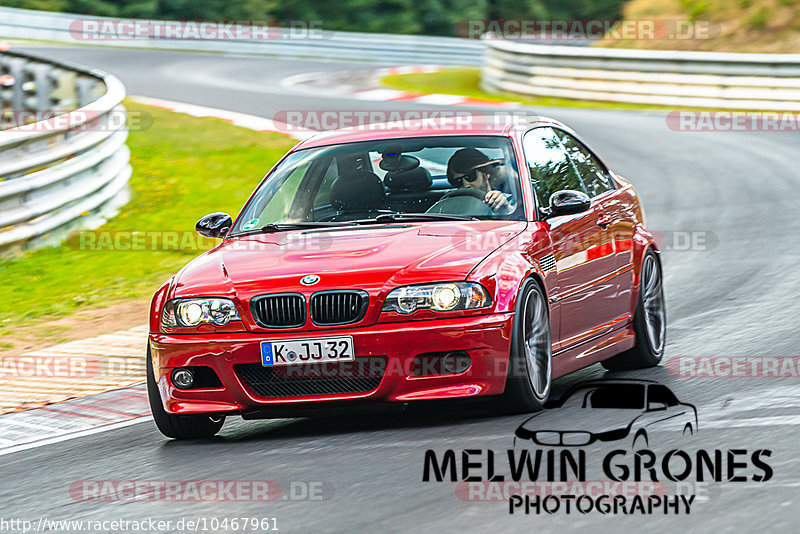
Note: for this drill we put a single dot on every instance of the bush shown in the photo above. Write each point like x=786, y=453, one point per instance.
x=758, y=19
x=434, y=17
x=695, y=8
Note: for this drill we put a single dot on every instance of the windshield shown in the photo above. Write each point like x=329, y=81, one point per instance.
x=382, y=181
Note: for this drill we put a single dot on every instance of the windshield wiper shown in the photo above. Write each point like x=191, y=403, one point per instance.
x=284, y=227
x=414, y=217
x=383, y=218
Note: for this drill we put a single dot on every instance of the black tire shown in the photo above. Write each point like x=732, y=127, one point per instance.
x=520, y=396
x=646, y=352
x=177, y=426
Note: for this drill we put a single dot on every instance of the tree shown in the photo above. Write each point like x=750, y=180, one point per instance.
x=431, y=17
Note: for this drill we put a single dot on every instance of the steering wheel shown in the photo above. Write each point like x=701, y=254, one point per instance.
x=465, y=192
x=462, y=202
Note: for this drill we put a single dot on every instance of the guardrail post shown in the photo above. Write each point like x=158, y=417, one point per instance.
x=84, y=88
x=40, y=87
x=64, y=92
x=17, y=71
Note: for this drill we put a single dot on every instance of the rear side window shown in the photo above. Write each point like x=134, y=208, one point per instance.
x=550, y=167
x=594, y=175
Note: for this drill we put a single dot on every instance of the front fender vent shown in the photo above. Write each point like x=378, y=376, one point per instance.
x=548, y=263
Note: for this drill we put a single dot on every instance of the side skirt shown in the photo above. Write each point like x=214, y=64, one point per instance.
x=593, y=351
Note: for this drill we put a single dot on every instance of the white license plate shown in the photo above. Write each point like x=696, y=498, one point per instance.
x=299, y=351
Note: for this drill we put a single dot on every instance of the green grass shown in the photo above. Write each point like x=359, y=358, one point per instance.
x=466, y=82
x=184, y=168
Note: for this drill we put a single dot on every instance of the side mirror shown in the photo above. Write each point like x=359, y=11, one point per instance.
x=656, y=406
x=215, y=225
x=568, y=202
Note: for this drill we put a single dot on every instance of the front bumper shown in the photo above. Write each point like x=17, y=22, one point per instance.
x=486, y=338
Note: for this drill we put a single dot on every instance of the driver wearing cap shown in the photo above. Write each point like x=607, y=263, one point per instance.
x=469, y=168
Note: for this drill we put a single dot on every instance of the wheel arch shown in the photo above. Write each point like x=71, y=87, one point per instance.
x=643, y=242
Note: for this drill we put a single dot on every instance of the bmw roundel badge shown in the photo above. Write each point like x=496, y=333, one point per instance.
x=309, y=280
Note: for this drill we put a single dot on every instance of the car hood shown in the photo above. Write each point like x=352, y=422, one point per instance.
x=367, y=257
x=594, y=420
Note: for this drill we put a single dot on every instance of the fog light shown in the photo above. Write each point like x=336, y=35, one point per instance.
x=183, y=378
x=455, y=362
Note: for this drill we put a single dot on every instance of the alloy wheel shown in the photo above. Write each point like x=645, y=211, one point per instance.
x=538, y=345
x=653, y=302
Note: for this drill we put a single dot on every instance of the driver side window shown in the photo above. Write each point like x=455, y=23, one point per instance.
x=659, y=393
x=550, y=167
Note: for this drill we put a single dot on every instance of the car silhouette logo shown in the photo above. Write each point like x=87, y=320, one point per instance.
x=309, y=280
x=617, y=409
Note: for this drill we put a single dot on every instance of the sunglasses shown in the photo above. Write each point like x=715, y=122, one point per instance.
x=472, y=175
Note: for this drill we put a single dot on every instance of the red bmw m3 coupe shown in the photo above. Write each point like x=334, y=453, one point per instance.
x=394, y=266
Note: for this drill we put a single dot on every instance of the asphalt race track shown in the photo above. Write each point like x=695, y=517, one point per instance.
x=737, y=295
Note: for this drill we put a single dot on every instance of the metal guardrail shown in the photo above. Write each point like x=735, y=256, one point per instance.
x=71, y=168
x=40, y=25
x=671, y=78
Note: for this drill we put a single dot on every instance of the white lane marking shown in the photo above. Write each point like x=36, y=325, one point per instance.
x=299, y=79
x=409, y=69
x=243, y=120
x=379, y=95
x=440, y=99
x=72, y=417
x=31, y=425
x=74, y=435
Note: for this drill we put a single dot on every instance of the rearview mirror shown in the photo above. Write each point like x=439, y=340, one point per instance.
x=656, y=406
x=568, y=202
x=215, y=225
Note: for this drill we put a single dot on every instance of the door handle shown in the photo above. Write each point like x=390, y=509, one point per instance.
x=603, y=221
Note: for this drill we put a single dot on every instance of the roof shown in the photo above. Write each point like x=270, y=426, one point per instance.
x=469, y=124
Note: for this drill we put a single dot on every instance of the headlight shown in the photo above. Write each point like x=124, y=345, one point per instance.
x=192, y=312
x=438, y=297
